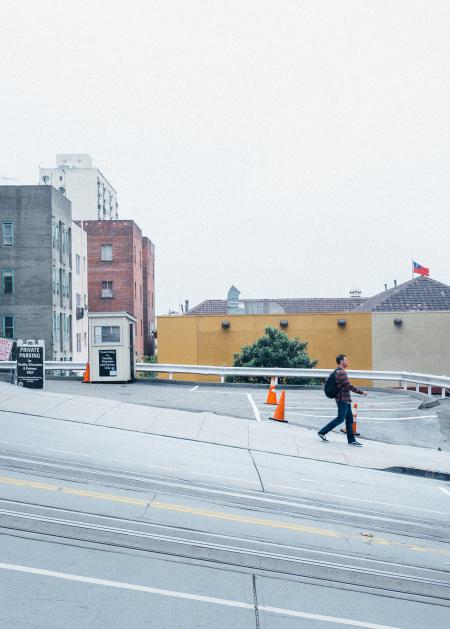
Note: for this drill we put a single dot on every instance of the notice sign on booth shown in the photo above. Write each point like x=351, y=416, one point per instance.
x=30, y=366
x=107, y=363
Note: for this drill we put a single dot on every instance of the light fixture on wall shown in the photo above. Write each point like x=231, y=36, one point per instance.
x=225, y=325
x=284, y=323
x=398, y=322
x=342, y=323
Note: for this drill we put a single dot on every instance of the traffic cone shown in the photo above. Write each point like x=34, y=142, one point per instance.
x=355, y=415
x=354, y=427
x=279, y=411
x=87, y=373
x=271, y=396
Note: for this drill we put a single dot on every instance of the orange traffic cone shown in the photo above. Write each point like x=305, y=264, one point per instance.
x=87, y=373
x=354, y=427
x=271, y=396
x=279, y=411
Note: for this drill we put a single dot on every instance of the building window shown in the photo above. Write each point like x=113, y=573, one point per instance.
x=106, y=253
x=107, y=334
x=77, y=263
x=107, y=290
x=55, y=328
x=7, y=233
x=78, y=342
x=7, y=281
x=8, y=327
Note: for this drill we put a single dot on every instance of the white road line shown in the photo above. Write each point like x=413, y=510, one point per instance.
x=194, y=388
x=446, y=491
x=191, y=597
x=378, y=419
x=254, y=407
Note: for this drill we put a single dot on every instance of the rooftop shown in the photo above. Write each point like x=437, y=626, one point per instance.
x=419, y=294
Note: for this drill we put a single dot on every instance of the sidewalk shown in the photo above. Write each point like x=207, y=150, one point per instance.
x=266, y=436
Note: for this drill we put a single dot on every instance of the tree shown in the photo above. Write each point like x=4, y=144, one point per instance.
x=274, y=349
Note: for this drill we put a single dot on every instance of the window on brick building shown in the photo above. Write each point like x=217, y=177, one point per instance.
x=107, y=290
x=106, y=254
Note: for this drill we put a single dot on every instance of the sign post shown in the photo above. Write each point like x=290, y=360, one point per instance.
x=30, y=371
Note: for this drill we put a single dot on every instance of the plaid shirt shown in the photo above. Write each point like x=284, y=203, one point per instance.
x=344, y=386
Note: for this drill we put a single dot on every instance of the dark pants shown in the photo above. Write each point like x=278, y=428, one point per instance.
x=344, y=414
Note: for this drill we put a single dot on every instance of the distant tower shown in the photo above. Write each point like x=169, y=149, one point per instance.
x=355, y=292
x=91, y=194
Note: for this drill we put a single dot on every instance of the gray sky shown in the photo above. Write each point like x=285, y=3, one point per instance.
x=292, y=148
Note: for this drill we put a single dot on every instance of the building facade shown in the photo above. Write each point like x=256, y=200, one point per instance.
x=36, y=263
x=148, y=279
x=80, y=348
x=91, y=194
x=117, y=256
x=406, y=327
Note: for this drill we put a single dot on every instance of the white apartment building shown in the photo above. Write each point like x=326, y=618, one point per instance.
x=79, y=295
x=91, y=194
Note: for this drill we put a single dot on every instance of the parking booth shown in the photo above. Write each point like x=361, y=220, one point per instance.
x=111, y=346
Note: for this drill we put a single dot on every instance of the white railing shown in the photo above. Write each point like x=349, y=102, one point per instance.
x=403, y=377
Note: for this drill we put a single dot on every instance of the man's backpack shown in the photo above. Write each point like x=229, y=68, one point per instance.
x=331, y=387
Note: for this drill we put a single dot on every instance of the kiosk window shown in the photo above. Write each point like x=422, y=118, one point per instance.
x=107, y=334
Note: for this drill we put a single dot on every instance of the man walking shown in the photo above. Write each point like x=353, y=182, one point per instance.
x=344, y=402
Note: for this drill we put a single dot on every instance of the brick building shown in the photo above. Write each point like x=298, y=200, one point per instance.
x=118, y=257
x=148, y=272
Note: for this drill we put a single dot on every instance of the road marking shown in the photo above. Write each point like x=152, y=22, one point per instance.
x=215, y=514
x=221, y=515
x=190, y=597
x=254, y=407
x=194, y=388
x=378, y=419
x=446, y=491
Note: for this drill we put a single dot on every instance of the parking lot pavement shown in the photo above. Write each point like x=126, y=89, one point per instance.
x=391, y=416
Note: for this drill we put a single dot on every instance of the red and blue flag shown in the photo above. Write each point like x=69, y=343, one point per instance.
x=421, y=270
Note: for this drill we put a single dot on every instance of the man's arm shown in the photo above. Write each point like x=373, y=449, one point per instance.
x=344, y=383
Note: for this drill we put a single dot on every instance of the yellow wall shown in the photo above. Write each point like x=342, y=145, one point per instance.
x=201, y=340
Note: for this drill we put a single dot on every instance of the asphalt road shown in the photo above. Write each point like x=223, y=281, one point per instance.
x=391, y=417
x=100, y=530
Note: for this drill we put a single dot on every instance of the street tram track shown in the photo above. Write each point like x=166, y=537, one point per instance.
x=399, y=580
x=248, y=500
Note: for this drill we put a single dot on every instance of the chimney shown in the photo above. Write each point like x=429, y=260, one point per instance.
x=186, y=306
x=385, y=287
x=395, y=283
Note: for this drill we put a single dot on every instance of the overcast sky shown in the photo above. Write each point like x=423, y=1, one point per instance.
x=294, y=148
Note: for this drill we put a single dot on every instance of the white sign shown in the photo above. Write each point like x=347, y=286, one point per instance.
x=5, y=349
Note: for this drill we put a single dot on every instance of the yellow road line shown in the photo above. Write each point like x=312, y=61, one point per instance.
x=219, y=515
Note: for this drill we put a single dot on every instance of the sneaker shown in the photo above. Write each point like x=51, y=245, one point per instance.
x=355, y=443
x=323, y=438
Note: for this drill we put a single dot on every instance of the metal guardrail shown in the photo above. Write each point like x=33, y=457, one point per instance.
x=403, y=377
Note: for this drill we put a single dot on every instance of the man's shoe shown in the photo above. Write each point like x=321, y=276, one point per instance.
x=355, y=443
x=323, y=438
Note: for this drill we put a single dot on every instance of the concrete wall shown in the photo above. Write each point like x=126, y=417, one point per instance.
x=202, y=340
x=31, y=208
x=421, y=343
x=80, y=288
